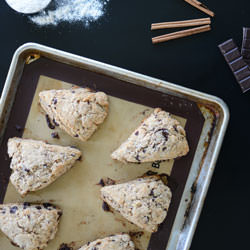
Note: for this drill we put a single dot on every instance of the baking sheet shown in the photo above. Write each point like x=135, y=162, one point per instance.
x=77, y=192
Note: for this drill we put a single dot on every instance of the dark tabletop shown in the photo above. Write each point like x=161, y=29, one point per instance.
x=123, y=38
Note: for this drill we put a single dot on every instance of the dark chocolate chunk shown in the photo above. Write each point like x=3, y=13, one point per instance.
x=13, y=209
x=54, y=101
x=54, y=121
x=227, y=46
x=242, y=74
x=65, y=247
x=237, y=64
x=148, y=173
x=50, y=125
x=245, y=47
x=25, y=205
x=137, y=158
x=232, y=55
x=245, y=53
x=109, y=182
x=245, y=84
x=136, y=234
x=164, y=132
x=105, y=207
x=48, y=206
x=101, y=183
x=175, y=129
x=55, y=135
x=38, y=207
x=156, y=164
x=137, y=133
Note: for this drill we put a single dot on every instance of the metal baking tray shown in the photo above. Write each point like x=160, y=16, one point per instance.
x=205, y=118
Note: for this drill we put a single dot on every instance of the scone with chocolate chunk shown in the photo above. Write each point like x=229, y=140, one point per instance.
x=29, y=227
x=115, y=242
x=77, y=111
x=36, y=164
x=144, y=201
x=159, y=137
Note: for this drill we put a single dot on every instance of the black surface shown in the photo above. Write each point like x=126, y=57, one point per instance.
x=122, y=38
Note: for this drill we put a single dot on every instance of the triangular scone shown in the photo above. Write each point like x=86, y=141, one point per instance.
x=36, y=164
x=29, y=227
x=78, y=111
x=144, y=201
x=115, y=242
x=159, y=137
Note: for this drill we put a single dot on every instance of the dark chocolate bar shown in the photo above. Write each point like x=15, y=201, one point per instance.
x=237, y=64
x=245, y=48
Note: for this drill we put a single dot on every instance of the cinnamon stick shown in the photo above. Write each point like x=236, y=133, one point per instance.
x=180, y=34
x=200, y=6
x=178, y=24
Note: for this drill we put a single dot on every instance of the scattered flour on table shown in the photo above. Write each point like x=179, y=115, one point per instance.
x=86, y=11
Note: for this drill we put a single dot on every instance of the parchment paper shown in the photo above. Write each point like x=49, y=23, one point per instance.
x=77, y=192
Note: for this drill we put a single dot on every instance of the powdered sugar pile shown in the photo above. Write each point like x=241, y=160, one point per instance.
x=85, y=11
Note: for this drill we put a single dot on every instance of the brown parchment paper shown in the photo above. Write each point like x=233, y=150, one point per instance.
x=77, y=192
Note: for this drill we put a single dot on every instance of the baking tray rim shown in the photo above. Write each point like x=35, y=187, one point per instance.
x=177, y=89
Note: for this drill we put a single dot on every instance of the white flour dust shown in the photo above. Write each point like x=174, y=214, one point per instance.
x=86, y=11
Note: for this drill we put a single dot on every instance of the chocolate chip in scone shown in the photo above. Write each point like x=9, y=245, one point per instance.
x=137, y=158
x=156, y=164
x=13, y=209
x=149, y=173
x=152, y=192
x=136, y=234
x=54, y=121
x=13, y=244
x=38, y=207
x=101, y=183
x=165, y=134
x=59, y=213
x=48, y=206
x=25, y=205
x=137, y=133
x=2, y=210
x=27, y=170
x=54, y=101
x=50, y=125
x=109, y=181
x=55, y=135
x=175, y=129
x=105, y=207
x=65, y=247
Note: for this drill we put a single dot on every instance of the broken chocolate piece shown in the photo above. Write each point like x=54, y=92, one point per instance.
x=156, y=164
x=237, y=64
x=49, y=123
x=245, y=48
x=105, y=207
x=55, y=135
x=65, y=247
